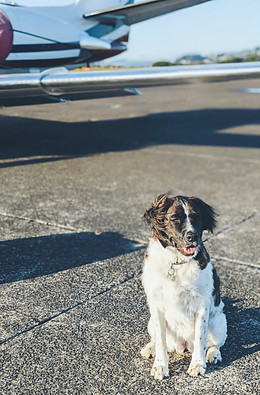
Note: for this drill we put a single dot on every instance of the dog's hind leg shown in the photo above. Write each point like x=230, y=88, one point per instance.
x=213, y=355
x=217, y=334
x=149, y=350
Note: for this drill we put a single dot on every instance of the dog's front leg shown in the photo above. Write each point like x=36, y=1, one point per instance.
x=198, y=361
x=160, y=366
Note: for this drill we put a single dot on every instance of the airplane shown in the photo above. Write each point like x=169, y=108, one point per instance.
x=48, y=35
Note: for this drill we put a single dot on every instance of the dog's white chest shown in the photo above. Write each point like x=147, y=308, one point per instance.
x=179, y=289
x=180, y=296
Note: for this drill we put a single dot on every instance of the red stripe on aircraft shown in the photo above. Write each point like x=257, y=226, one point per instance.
x=6, y=36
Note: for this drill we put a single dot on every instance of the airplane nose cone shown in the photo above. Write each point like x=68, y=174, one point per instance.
x=6, y=36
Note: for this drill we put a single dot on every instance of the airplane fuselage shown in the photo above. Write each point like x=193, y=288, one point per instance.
x=38, y=34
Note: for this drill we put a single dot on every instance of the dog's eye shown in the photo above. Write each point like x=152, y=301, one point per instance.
x=175, y=220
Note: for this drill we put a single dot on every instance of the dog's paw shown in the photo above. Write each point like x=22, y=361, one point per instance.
x=148, y=351
x=197, y=368
x=213, y=355
x=159, y=371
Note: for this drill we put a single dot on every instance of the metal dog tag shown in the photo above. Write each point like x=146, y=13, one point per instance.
x=172, y=273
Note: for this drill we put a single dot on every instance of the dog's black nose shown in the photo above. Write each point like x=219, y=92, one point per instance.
x=191, y=237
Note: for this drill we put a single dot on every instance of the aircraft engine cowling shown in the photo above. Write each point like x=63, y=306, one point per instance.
x=6, y=36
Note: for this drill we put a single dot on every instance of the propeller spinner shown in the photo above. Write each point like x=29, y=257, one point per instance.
x=6, y=36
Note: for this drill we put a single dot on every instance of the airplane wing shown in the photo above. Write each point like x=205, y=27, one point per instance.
x=134, y=13
x=61, y=84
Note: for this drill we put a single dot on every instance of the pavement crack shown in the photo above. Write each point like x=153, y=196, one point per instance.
x=231, y=260
x=232, y=226
x=39, y=323
x=42, y=222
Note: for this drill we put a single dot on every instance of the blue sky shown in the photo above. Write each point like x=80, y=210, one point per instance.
x=210, y=28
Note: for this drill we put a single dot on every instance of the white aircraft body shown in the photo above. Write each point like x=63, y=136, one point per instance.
x=47, y=34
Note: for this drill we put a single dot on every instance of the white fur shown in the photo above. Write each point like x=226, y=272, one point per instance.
x=183, y=314
x=189, y=227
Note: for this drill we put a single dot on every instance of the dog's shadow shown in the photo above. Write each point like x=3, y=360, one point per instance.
x=243, y=331
x=243, y=338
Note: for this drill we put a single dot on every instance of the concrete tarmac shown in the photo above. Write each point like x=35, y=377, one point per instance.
x=76, y=179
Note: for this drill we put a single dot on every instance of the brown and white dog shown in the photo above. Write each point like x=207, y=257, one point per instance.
x=181, y=286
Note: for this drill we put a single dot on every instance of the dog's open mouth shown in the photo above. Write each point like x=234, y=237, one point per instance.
x=188, y=251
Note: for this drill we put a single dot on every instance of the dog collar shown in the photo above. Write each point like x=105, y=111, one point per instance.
x=172, y=269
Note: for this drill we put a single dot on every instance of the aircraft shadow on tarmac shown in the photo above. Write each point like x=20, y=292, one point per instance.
x=29, y=138
x=28, y=258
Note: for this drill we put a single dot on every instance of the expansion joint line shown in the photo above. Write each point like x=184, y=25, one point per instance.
x=232, y=226
x=41, y=222
x=231, y=260
x=78, y=230
x=39, y=323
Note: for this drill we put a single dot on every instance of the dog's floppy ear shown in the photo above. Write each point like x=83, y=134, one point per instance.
x=155, y=215
x=208, y=214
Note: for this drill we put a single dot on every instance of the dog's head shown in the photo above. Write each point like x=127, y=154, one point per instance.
x=179, y=222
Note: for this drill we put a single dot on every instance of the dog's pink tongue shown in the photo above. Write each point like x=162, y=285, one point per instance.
x=189, y=250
